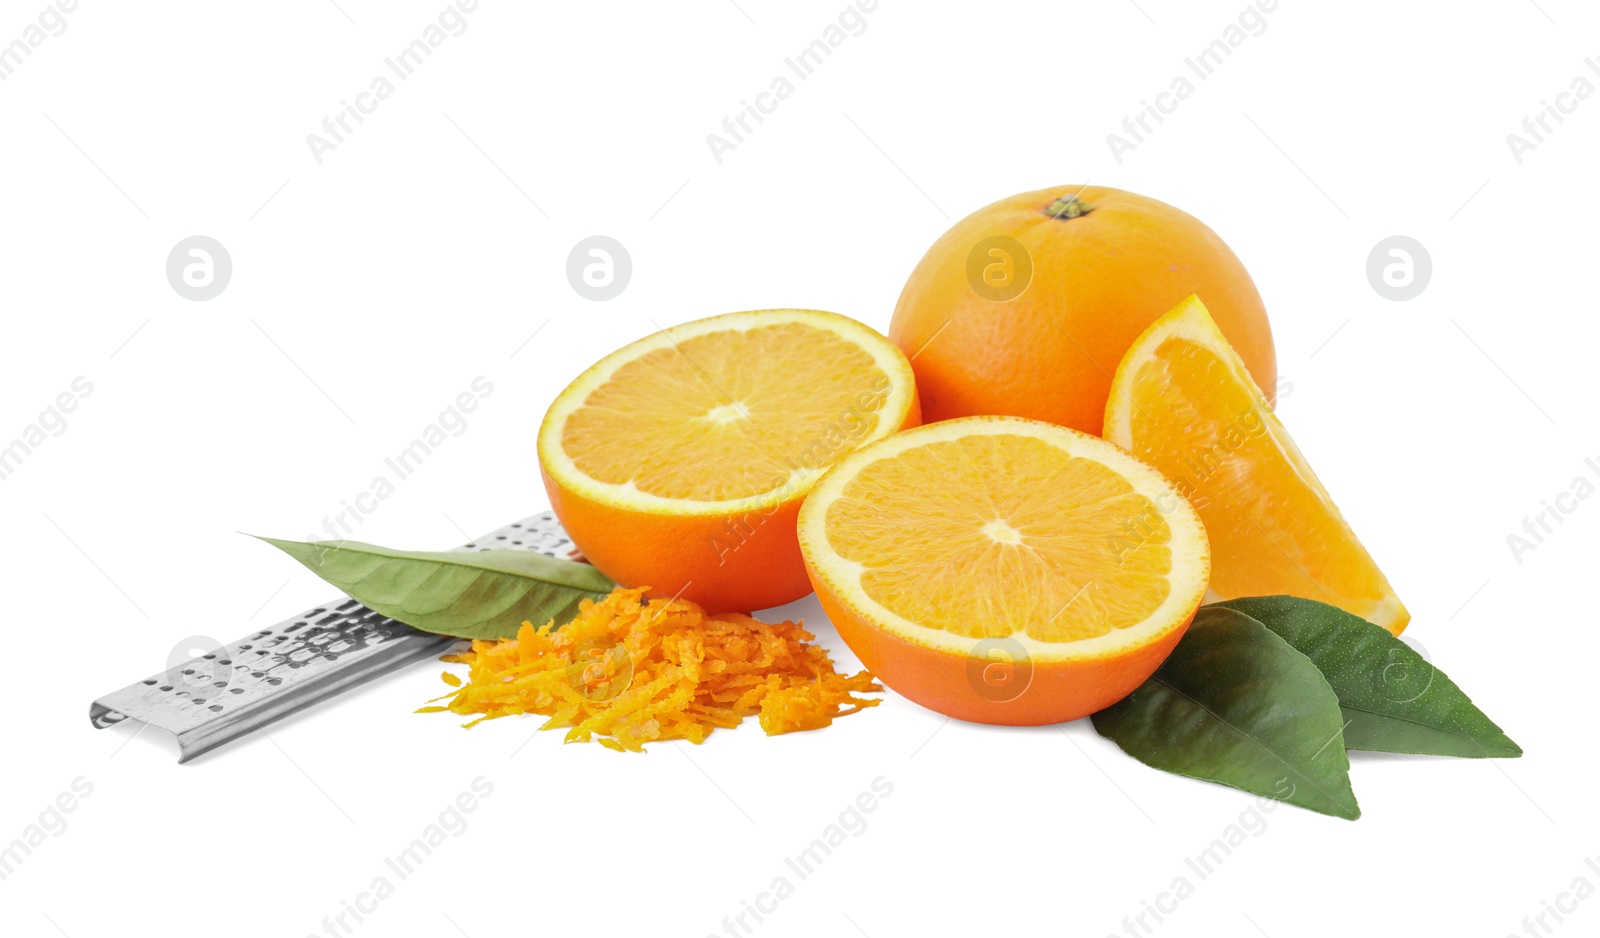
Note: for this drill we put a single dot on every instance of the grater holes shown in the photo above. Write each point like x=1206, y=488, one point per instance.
x=305, y=651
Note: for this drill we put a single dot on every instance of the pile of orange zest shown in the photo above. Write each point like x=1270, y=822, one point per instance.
x=628, y=671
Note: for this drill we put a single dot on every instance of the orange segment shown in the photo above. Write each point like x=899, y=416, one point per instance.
x=935, y=549
x=679, y=461
x=1183, y=402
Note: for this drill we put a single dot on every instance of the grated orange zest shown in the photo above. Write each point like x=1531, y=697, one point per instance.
x=628, y=671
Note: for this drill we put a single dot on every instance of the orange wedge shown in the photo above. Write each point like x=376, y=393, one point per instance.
x=1004, y=570
x=679, y=462
x=1183, y=402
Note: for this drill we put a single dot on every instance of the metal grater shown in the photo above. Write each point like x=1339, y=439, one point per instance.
x=273, y=672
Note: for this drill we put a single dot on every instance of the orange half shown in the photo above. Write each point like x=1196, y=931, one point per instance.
x=679, y=462
x=1004, y=570
x=1183, y=402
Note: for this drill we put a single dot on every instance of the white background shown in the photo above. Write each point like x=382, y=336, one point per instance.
x=371, y=289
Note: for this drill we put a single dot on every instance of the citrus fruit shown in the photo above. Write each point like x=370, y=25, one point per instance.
x=1185, y=403
x=1025, y=307
x=679, y=462
x=1003, y=570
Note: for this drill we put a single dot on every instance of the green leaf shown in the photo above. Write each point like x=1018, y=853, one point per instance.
x=468, y=594
x=1393, y=698
x=1235, y=704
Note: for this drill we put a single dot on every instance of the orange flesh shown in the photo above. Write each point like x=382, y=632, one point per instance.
x=1015, y=536
x=728, y=415
x=1272, y=527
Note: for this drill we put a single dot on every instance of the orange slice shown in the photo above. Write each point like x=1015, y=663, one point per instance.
x=1183, y=402
x=1004, y=570
x=679, y=462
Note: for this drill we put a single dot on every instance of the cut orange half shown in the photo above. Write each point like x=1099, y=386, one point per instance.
x=1183, y=402
x=1004, y=570
x=679, y=462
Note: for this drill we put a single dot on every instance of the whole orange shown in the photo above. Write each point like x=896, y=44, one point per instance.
x=1025, y=307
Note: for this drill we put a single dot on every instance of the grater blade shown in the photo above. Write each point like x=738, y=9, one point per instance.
x=274, y=672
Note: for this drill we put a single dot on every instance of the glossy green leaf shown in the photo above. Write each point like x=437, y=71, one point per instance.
x=1234, y=704
x=1394, y=699
x=468, y=594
